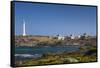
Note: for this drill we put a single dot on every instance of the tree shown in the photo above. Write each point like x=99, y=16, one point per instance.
x=84, y=34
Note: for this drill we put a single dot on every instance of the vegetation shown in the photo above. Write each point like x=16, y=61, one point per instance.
x=58, y=59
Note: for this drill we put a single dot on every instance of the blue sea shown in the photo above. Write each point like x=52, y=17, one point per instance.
x=24, y=52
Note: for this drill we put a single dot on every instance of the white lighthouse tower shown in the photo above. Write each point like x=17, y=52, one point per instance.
x=24, y=30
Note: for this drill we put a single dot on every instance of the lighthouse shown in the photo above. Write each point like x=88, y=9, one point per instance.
x=24, y=30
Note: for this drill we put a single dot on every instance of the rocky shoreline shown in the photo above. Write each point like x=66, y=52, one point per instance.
x=45, y=40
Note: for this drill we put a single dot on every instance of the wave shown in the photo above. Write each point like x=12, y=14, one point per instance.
x=28, y=55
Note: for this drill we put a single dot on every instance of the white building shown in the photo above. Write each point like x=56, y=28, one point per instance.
x=75, y=37
x=79, y=36
x=61, y=37
x=72, y=37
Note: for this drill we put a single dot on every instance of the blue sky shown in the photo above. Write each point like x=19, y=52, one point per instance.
x=50, y=19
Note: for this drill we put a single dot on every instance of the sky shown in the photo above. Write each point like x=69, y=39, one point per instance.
x=53, y=19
